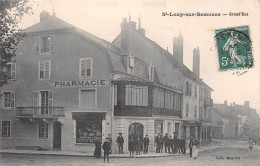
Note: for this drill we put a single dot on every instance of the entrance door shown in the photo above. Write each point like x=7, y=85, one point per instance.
x=177, y=129
x=56, y=135
x=136, y=130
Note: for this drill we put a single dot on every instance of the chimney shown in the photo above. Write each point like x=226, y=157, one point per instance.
x=246, y=104
x=44, y=15
x=225, y=102
x=196, y=62
x=178, y=48
x=125, y=35
x=140, y=29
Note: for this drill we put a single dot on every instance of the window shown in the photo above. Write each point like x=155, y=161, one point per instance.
x=158, y=97
x=43, y=102
x=151, y=73
x=188, y=87
x=136, y=95
x=44, y=69
x=195, y=92
x=187, y=110
x=6, y=129
x=9, y=99
x=43, y=129
x=11, y=70
x=168, y=99
x=44, y=44
x=131, y=64
x=195, y=111
x=177, y=102
x=86, y=67
x=115, y=94
x=88, y=98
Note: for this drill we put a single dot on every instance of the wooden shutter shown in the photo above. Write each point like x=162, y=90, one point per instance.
x=82, y=67
x=50, y=102
x=41, y=69
x=13, y=71
x=88, y=67
x=52, y=43
x=37, y=44
x=47, y=69
x=12, y=99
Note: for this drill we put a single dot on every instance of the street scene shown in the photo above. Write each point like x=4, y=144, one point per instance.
x=150, y=82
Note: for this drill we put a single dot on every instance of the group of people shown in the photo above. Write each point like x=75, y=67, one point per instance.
x=137, y=144
x=171, y=145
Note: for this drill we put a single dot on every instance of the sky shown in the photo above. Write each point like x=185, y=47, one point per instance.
x=103, y=17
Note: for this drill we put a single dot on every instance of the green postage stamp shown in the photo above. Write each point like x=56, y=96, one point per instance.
x=234, y=48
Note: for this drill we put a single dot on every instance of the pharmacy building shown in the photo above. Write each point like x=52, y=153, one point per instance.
x=69, y=88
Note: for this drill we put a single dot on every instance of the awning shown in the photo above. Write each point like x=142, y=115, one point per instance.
x=89, y=115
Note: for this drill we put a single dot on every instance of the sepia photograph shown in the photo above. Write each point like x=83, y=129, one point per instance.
x=129, y=82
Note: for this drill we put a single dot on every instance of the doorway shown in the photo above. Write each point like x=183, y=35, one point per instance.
x=136, y=130
x=56, y=135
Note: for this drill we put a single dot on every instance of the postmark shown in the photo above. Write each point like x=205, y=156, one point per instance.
x=234, y=48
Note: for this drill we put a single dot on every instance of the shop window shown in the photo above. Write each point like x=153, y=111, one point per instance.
x=87, y=131
x=43, y=130
x=6, y=129
x=88, y=98
x=9, y=99
x=86, y=67
x=44, y=69
x=45, y=44
x=136, y=95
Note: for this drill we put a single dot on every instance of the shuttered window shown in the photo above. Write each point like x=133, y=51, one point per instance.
x=43, y=102
x=44, y=69
x=45, y=44
x=6, y=128
x=86, y=67
x=9, y=99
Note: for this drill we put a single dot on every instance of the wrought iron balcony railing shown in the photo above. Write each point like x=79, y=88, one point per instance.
x=40, y=112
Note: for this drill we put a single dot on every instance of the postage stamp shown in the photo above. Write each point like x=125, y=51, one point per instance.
x=234, y=48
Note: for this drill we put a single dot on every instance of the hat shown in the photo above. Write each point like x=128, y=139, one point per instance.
x=120, y=133
x=146, y=134
x=107, y=138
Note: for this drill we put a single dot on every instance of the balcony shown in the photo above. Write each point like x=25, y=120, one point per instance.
x=208, y=102
x=40, y=112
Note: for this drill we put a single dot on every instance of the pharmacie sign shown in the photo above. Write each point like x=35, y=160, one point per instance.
x=79, y=83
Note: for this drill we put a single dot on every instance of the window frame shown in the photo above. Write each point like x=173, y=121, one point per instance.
x=2, y=128
x=187, y=111
x=39, y=70
x=38, y=42
x=90, y=89
x=39, y=127
x=12, y=93
x=91, y=68
x=133, y=92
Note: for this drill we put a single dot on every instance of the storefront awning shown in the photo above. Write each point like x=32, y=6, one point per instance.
x=89, y=115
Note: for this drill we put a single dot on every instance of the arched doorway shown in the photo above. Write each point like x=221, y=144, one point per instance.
x=136, y=130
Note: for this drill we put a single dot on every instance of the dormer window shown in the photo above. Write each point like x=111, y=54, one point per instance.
x=151, y=72
x=131, y=64
x=45, y=44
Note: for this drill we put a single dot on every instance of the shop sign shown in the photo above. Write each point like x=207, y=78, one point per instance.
x=79, y=83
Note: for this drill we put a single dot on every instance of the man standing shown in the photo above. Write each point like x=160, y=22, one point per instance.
x=175, y=142
x=110, y=139
x=183, y=145
x=190, y=145
x=170, y=145
x=165, y=142
x=120, y=141
x=146, y=144
x=157, y=141
x=161, y=143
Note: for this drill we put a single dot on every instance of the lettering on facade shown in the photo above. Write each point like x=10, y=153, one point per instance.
x=79, y=83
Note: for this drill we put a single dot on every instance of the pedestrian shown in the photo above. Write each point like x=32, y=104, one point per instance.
x=157, y=141
x=131, y=147
x=195, y=151
x=107, y=149
x=165, y=142
x=175, y=143
x=110, y=140
x=161, y=143
x=251, y=142
x=120, y=142
x=146, y=144
x=183, y=145
x=179, y=145
x=170, y=145
x=190, y=145
x=138, y=144
x=97, y=152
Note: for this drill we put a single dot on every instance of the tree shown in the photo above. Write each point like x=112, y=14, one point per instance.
x=11, y=13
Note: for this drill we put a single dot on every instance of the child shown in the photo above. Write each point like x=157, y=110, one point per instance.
x=107, y=149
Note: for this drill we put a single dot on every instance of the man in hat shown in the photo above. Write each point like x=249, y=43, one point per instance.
x=146, y=144
x=120, y=141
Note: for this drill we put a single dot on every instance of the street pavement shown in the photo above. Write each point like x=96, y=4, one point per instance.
x=222, y=153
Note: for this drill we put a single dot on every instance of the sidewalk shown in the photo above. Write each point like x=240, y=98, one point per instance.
x=90, y=154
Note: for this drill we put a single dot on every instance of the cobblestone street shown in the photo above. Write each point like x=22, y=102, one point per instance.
x=231, y=153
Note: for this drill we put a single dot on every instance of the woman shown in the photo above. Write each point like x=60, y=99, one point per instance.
x=195, y=151
x=107, y=149
x=97, y=152
x=131, y=147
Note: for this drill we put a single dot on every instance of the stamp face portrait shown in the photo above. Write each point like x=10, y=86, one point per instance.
x=234, y=48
